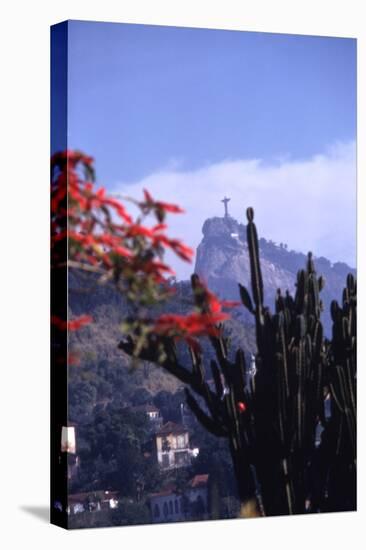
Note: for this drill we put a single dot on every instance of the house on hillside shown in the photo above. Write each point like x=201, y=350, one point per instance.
x=167, y=506
x=152, y=413
x=69, y=451
x=172, y=446
x=192, y=503
x=94, y=501
x=197, y=497
x=68, y=439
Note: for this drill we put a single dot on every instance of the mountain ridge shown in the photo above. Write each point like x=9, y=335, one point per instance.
x=222, y=261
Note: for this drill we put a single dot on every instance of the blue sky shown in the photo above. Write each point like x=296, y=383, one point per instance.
x=157, y=103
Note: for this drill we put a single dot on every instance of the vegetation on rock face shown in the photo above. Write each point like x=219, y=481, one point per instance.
x=223, y=261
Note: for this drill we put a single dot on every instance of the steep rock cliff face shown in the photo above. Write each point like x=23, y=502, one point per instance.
x=222, y=260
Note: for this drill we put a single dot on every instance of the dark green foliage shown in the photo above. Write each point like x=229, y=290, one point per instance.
x=131, y=513
x=169, y=405
x=113, y=458
x=141, y=396
x=82, y=398
x=128, y=512
x=213, y=459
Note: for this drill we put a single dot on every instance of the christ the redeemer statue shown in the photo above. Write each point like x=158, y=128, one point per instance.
x=225, y=200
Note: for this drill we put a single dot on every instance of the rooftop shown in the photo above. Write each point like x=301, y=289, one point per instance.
x=171, y=428
x=199, y=481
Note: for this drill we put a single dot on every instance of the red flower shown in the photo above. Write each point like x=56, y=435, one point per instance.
x=159, y=205
x=57, y=196
x=122, y=251
x=79, y=322
x=100, y=194
x=72, y=157
x=166, y=207
x=118, y=207
x=202, y=323
x=194, y=324
x=59, y=236
x=58, y=323
x=72, y=325
x=159, y=227
x=241, y=407
x=73, y=359
x=151, y=267
x=101, y=232
x=148, y=197
x=136, y=230
x=183, y=251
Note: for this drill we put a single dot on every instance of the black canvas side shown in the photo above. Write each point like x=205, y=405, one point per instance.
x=59, y=71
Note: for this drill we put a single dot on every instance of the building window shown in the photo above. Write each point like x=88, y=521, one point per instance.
x=180, y=442
x=78, y=508
x=181, y=458
x=165, y=509
x=170, y=507
x=165, y=461
x=156, y=511
x=176, y=509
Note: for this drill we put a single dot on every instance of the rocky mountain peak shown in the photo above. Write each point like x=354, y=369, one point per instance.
x=222, y=261
x=222, y=227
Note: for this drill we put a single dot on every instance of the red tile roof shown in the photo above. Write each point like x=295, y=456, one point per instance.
x=199, y=480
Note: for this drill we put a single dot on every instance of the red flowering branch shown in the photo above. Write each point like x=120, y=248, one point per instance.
x=157, y=207
x=203, y=322
x=103, y=237
x=99, y=229
x=73, y=324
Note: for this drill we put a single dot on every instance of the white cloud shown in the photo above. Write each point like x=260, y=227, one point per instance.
x=309, y=204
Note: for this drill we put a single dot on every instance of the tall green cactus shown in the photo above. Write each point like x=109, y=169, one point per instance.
x=288, y=397
x=271, y=426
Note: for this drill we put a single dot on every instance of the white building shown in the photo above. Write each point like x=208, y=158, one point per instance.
x=172, y=446
x=92, y=502
x=169, y=505
x=152, y=413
